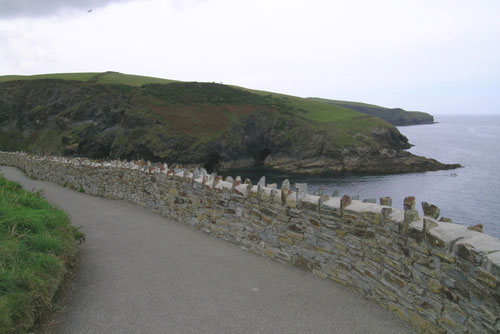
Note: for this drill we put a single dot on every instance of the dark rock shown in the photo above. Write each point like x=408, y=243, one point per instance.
x=345, y=201
x=409, y=203
x=302, y=263
x=430, y=210
x=268, y=212
x=477, y=228
x=296, y=228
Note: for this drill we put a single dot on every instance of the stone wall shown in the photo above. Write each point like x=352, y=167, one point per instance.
x=438, y=276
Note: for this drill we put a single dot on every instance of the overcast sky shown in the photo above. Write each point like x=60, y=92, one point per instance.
x=438, y=56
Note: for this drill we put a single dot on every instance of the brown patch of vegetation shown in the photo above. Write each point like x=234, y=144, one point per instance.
x=203, y=118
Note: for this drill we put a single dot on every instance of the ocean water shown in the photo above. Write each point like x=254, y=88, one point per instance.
x=469, y=195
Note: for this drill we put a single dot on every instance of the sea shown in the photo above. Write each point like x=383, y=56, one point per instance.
x=468, y=195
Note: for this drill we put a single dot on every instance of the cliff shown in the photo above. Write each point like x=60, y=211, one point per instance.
x=110, y=115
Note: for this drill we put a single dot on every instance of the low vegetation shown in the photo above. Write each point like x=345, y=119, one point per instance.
x=395, y=116
x=115, y=115
x=37, y=246
x=93, y=77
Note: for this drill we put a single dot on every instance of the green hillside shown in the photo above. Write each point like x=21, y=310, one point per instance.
x=336, y=118
x=94, y=77
x=110, y=115
x=395, y=116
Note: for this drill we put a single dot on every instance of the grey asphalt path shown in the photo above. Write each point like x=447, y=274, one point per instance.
x=142, y=273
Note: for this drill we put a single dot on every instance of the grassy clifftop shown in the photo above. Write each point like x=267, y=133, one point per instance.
x=92, y=77
x=395, y=116
x=115, y=115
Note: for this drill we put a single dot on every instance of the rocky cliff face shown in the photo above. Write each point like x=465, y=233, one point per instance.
x=213, y=125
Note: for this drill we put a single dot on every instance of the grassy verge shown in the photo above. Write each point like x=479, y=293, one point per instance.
x=37, y=245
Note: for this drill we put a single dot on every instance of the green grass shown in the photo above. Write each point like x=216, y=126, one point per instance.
x=12, y=140
x=354, y=104
x=129, y=79
x=171, y=110
x=95, y=77
x=46, y=141
x=64, y=76
x=313, y=109
x=37, y=244
x=395, y=116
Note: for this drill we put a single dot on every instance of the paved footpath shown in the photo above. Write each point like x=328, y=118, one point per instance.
x=142, y=273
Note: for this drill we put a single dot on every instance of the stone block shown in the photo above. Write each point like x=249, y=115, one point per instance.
x=386, y=201
x=301, y=190
x=409, y=203
x=485, y=277
x=262, y=181
x=451, y=326
x=393, y=281
x=430, y=210
x=275, y=196
x=455, y=313
x=410, y=215
x=426, y=271
x=314, y=222
x=476, y=327
x=346, y=201
x=434, y=240
x=393, y=264
x=424, y=326
x=428, y=224
x=295, y=235
x=401, y=313
x=268, y=212
x=310, y=203
x=444, y=256
x=464, y=251
x=477, y=228
x=302, y=263
x=291, y=199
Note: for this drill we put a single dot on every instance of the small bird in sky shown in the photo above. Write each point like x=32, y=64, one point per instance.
x=89, y=11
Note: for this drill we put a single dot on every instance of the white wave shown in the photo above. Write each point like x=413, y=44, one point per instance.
x=486, y=131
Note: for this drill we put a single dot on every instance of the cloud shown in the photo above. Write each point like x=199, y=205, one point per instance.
x=38, y=8
x=421, y=55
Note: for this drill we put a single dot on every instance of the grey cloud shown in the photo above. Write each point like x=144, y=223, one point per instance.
x=39, y=8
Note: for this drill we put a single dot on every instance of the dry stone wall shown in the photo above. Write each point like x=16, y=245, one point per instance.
x=438, y=276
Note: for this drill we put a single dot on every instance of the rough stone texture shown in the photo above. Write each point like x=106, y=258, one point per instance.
x=440, y=278
x=409, y=203
x=477, y=228
x=387, y=201
x=430, y=210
